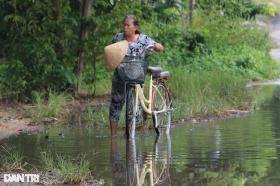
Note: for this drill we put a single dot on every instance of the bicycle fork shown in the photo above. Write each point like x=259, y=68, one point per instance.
x=135, y=110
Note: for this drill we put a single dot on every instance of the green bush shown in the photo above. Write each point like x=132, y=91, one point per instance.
x=40, y=48
x=268, y=9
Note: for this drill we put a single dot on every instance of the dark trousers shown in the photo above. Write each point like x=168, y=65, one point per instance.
x=117, y=97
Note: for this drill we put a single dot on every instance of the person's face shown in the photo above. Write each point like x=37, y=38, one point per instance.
x=129, y=27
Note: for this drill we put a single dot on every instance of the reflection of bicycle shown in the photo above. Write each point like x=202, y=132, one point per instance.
x=158, y=103
x=151, y=168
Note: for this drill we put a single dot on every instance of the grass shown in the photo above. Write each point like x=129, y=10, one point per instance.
x=207, y=93
x=52, y=106
x=197, y=94
x=100, y=88
x=97, y=116
x=69, y=170
x=10, y=160
x=101, y=116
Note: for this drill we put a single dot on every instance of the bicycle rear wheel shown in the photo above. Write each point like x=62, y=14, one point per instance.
x=161, y=101
x=130, y=122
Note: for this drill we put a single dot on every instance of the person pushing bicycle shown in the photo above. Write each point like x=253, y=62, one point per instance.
x=138, y=43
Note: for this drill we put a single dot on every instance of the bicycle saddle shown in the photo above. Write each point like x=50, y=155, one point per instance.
x=157, y=72
x=154, y=70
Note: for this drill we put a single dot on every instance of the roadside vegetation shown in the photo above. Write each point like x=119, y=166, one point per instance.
x=270, y=4
x=208, y=93
x=63, y=170
x=11, y=160
x=212, y=48
x=69, y=171
x=45, y=106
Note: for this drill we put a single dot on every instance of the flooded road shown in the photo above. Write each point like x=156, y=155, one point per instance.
x=274, y=29
x=236, y=151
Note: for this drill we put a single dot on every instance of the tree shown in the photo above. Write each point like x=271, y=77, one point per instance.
x=84, y=29
x=191, y=7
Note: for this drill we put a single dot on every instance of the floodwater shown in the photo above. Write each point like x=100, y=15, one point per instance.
x=237, y=151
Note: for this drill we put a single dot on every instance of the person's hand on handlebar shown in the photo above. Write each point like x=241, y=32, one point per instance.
x=157, y=47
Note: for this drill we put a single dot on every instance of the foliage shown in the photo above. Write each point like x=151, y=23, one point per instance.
x=10, y=160
x=207, y=92
x=231, y=8
x=41, y=40
x=268, y=9
x=200, y=93
x=274, y=3
x=31, y=41
x=46, y=105
x=69, y=170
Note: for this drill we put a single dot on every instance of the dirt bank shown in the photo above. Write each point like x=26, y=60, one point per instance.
x=13, y=123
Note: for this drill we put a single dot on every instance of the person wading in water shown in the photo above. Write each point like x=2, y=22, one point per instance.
x=138, y=43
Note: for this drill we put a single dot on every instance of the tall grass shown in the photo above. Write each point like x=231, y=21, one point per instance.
x=196, y=94
x=10, y=160
x=97, y=116
x=68, y=170
x=101, y=87
x=44, y=107
x=204, y=93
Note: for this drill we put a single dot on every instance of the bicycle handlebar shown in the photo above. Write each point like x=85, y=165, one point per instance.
x=150, y=48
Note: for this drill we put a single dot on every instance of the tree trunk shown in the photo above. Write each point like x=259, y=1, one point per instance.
x=191, y=7
x=60, y=32
x=57, y=9
x=84, y=28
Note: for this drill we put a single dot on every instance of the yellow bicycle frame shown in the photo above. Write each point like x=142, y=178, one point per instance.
x=144, y=101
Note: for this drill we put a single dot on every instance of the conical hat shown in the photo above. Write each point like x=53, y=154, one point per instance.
x=114, y=54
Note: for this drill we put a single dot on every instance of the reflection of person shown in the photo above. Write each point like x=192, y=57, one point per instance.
x=118, y=165
x=137, y=45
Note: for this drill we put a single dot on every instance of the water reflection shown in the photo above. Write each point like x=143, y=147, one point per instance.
x=235, y=151
x=150, y=167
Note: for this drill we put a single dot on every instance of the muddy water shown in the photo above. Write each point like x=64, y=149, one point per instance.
x=236, y=151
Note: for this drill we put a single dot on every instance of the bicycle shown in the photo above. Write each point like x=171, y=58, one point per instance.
x=149, y=168
x=158, y=104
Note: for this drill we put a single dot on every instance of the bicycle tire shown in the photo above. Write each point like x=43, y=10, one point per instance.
x=130, y=122
x=162, y=156
x=161, y=99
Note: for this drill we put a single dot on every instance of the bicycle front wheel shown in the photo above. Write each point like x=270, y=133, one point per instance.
x=161, y=107
x=130, y=121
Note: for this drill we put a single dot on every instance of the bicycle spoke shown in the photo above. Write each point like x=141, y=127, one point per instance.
x=161, y=108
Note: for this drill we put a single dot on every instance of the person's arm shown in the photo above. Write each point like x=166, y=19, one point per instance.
x=151, y=43
x=158, y=47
